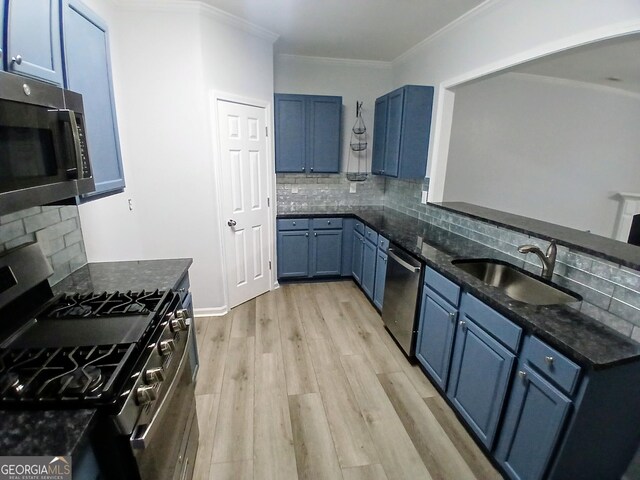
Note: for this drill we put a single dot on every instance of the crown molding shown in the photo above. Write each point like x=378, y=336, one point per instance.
x=345, y=62
x=201, y=8
x=457, y=23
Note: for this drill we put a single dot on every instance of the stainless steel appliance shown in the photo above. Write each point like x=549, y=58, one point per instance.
x=124, y=353
x=43, y=148
x=401, y=289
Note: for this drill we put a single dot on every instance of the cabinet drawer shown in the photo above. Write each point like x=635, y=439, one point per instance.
x=442, y=285
x=326, y=223
x=383, y=243
x=553, y=365
x=359, y=227
x=371, y=235
x=499, y=327
x=293, y=224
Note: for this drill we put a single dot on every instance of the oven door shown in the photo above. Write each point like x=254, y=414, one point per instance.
x=167, y=446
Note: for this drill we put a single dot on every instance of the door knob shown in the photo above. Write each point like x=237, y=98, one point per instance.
x=17, y=59
x=231, y=223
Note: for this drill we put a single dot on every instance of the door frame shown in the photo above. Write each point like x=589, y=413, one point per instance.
x=215, y=97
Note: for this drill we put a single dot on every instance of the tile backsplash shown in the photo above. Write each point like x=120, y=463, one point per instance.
x=330, y=190
x=56, y=229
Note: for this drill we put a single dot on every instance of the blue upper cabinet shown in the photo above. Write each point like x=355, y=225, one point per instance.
x=379, y=135
x=88, y=72
x=401, y=133
x=307, y=133
x=34, y=39
x=290, y=126
x=324, y=134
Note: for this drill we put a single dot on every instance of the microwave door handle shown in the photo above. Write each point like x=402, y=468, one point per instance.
x=70, y=117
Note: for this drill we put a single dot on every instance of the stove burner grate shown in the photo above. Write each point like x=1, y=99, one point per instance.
x=105, y=304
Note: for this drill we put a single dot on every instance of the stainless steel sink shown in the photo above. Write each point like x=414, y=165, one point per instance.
x=516, y=283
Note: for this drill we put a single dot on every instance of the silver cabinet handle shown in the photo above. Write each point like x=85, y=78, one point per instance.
x=452, y=316
x=548, y=360
x=315, y=234
x=463, y=323
x=306, y=234
x=294, y=224
x=303, y=169
x=311, y=169
x=328, y=222
x=522, y=374
x=232, y=223
x=17, y=60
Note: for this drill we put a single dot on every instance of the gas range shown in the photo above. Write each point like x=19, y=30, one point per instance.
x=124, y=353
x=80, y=349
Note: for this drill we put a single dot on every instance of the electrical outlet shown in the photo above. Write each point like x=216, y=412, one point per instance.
x=352, y=187
x=424, y=196
x=294, y=189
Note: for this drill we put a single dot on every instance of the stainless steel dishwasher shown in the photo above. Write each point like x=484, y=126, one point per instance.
x=402, y=285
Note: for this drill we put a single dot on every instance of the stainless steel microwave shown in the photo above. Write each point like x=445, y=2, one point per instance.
x=43, y=149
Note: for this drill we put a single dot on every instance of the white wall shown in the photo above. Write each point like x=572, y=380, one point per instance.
x=353, y=80
x=544, y=148
x=165, y=62
x=497, y=35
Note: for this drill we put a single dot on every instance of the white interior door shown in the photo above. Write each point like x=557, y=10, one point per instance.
x=244, y=173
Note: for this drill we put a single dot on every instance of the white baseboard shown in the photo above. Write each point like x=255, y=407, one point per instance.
x=211, y=312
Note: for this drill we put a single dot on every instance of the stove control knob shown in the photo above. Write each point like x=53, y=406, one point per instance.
x=154, y=375
x=166, y=347
x=145, y=394
x=183, y=313
x=178, y=325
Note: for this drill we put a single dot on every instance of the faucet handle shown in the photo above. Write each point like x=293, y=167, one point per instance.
x=552, y=250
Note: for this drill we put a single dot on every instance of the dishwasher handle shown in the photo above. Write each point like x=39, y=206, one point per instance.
x=403, y=262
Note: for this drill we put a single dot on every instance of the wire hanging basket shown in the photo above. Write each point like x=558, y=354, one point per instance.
x=358, y=147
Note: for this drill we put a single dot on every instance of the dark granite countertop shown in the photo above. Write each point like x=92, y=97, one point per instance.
x=596, y=245
x=63, y=432
x=45, y=432
x=580, y=337
x=132, y=275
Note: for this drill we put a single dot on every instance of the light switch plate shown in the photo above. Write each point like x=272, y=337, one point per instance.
x=424, y=196
x=352, y=187
x=294, y=189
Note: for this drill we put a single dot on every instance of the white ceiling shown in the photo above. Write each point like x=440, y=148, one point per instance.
x=596, y=63
x=355, y=29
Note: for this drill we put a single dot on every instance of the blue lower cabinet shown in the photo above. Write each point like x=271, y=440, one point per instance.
x=293, y=254
x=480, y=372
x=357, y=256
x=381, y=273
x=369, y=268
x=435, y=338
x=326, y=253
x=533, y=423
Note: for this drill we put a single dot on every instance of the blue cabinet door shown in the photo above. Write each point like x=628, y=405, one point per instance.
x=480, y=372
x=369, y=268
x=2, y=58
x=326, y=253
x=357, y=257
x=435, y=336
x=381, y=273
x=290, y=133
x=379, y=135
x=34, y=39
x=416, y=128
x=293, y=254
x=88, y=71
x=324, y=116
x=534, y=418
x=394, y=133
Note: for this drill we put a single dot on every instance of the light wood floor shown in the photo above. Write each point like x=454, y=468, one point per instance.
x=305, y=382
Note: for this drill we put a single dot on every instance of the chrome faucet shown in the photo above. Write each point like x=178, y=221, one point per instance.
x=548, y=259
